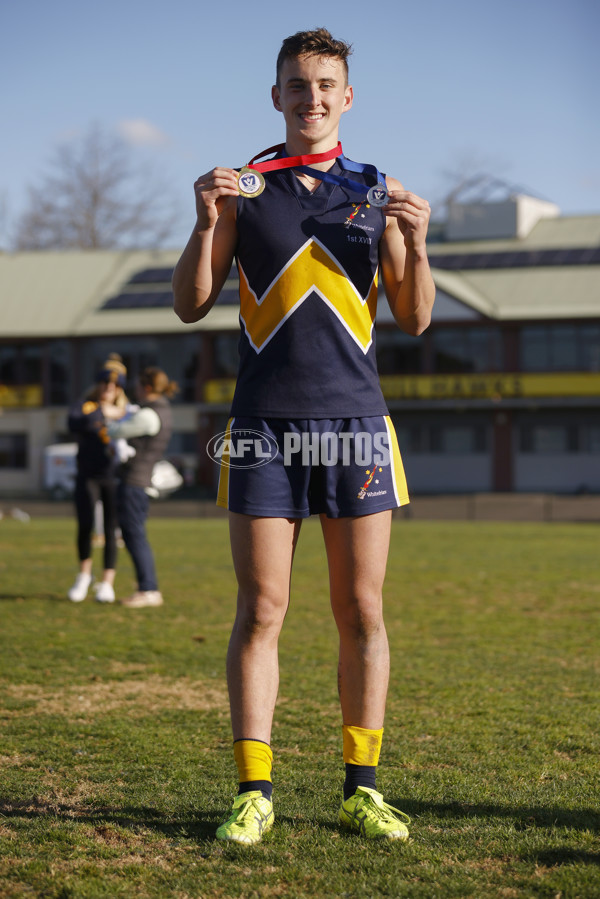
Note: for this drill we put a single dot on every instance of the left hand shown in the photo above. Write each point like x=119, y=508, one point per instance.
x=412, y=214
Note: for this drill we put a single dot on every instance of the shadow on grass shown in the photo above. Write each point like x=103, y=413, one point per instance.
x=201, y=826
x=22, y=597
x=523, y=817
x=198, y=825
x=555, y=857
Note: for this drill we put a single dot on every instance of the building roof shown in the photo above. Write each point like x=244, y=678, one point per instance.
x=563, y=232
x=536, y=293
x=61, y=294
x=92, y=293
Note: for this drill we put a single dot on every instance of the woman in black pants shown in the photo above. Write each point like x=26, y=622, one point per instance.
x=96, y=478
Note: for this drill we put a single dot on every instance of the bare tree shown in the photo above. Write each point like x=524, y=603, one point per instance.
x=96, y=195
x=467, y=179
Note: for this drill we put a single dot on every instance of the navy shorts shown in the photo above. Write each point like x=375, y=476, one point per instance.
x=293, y=468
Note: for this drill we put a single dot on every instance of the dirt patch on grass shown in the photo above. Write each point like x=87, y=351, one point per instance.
x=136, y=697
x=16, y=761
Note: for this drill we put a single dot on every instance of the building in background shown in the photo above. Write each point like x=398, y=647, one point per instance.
x=501, y=393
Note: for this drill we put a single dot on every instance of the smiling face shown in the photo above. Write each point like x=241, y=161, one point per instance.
x=109, y=392
x=312, y=94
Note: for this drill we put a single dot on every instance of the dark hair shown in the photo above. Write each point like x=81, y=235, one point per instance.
x=317, y=42
x=158, y=381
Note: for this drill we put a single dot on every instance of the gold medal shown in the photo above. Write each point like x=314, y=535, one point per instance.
x=250, y=183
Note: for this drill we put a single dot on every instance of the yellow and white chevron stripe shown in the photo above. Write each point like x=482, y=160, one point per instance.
x=312, y=268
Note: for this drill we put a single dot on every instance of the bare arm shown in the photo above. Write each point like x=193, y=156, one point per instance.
x=407, y=280
x=206, y=261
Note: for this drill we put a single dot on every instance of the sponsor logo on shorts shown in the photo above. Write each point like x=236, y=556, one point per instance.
x=242, y=448
x=371, y=479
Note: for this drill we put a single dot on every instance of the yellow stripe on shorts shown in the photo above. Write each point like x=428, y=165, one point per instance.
x=397, y=468
x=223, y=491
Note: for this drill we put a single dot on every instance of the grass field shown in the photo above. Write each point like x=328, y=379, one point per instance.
x=115, y=753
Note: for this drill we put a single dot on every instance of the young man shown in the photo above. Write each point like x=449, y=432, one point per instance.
x=309, y=244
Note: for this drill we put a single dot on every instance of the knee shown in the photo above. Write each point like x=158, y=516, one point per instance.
x=361, y=619
x=260, y=615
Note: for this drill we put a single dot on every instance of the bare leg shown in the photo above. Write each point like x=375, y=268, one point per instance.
x=263, y=551
x=108, y=576
x=357, y=550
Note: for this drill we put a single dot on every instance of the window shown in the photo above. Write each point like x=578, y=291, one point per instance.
x=565, y=348
x=21, y=370
x=411, y=438
x=21, y=364
x=466, y=350
x=13, y=451
x=398, y=353
x=8, y=365
x=31, y=364
x=560, y=347
x=592, y=439
x=444, y=434
x=226, y=355
x=459, y=439
x=176, y=355
x=60, y=366
x=549, y=438
x=534, y=349
x=591, y=347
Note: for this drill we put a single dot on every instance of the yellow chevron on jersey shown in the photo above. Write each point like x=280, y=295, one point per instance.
x=313, y=268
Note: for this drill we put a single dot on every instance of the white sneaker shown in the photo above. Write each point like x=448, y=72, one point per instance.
x=143, y=598
x=104, y=592
x=79, y=590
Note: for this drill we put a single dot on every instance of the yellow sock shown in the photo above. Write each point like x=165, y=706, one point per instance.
x=361, y=745
x=254, y=760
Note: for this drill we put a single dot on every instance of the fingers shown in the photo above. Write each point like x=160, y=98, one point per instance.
x=406, y=202
x=411, y=214
x=219, y=182
x=212, y=191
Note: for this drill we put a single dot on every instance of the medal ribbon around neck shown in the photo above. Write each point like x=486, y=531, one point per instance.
x=251, y=182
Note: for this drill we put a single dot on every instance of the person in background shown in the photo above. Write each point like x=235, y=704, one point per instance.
x=97, y=460
x=148, y=431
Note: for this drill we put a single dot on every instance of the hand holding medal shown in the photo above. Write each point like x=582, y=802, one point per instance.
x=412, y=214
x=212, y=191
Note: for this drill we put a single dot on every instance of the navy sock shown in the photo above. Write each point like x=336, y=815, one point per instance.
x=265, y=787
x=359, y=776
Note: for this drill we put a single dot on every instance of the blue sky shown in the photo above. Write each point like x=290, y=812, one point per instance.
x=507, y=88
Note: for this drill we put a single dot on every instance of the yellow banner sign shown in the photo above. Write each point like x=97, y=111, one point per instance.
x=458, y=387
x=492, y=387
x=27, y=395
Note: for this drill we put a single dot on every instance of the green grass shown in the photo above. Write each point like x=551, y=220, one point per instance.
x=115, y=754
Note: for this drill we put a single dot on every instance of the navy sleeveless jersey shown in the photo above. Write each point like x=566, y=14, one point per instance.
x=308, y=268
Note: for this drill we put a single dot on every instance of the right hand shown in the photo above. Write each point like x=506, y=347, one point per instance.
x=212, y=192
x=112, y=412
